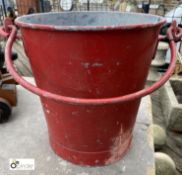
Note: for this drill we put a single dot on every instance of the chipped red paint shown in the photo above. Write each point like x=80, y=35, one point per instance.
x=90, y=85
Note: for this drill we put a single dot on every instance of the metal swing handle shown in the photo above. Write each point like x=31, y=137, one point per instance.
x=83, y=101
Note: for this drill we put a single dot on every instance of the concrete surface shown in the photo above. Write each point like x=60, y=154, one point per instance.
x=171, y=107
x=173, y=144
x=25, y=136
x=153, y=75
x=160, y=56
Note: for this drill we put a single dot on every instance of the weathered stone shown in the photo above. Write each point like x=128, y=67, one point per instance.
x=160, y=56
x=174, y=142
x=171, y=104
x=159, y=136
x=164, y=164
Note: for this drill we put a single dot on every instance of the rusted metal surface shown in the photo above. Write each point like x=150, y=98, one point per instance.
x=90, y=93
x=8, y=92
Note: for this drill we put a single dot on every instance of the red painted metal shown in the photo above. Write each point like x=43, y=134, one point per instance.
x=80, y=101
x=3, y=33
x=90, y=85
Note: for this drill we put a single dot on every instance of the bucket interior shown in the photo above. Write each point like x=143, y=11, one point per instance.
x=89, y=19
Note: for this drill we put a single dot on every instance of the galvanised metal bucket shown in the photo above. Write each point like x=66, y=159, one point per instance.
x=90, y=69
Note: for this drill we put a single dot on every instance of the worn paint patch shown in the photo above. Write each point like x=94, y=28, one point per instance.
x=118, y=63
x=88, y=65
x=120, y=146
x=74, y=112
x=98, y=91
x=47, y=111
x=99, y=142
x=97, y=65
x=96, y=161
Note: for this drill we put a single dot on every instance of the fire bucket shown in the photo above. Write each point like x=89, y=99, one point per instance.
x=90, y=69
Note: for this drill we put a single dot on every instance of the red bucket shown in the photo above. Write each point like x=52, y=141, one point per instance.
x=90, y=69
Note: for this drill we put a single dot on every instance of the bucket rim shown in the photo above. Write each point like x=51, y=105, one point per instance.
x=51, y=27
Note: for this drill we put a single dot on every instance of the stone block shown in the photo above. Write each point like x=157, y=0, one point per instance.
x=172, y=104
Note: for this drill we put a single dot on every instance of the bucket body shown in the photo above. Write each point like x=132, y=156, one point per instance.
x=90, y=55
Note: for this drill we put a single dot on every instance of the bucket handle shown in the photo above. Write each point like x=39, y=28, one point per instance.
x=83, y=101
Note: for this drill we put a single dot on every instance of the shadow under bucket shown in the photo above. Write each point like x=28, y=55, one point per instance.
x=96, y=56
